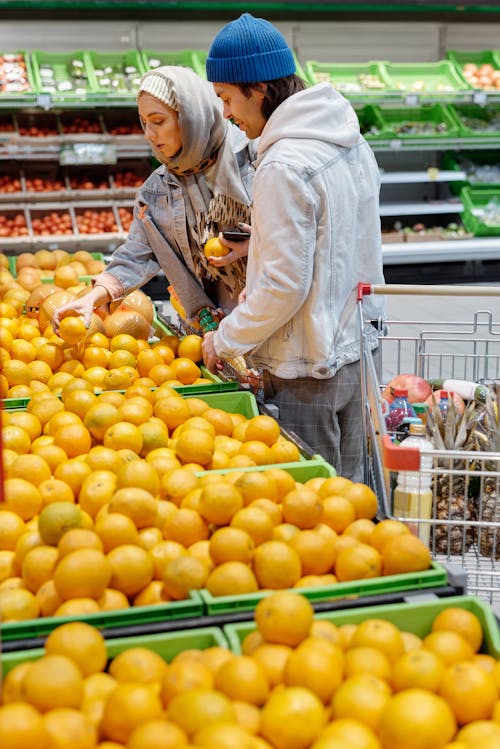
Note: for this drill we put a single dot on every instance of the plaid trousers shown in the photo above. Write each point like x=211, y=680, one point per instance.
x=326, y=414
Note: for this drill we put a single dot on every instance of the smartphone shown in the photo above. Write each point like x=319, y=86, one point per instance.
x=236, y=236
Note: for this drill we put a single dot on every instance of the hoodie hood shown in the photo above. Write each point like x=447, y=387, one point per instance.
x=319, y=112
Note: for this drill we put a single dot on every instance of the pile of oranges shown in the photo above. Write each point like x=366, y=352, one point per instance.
x=299, y=683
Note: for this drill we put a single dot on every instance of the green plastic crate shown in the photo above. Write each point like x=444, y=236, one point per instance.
x=28, y=96
x=118, y=61
x=238, y=401
x=433, y=114
x=166, y=644
x=135, y=615
x=370, y=119
x=484, y=57
x=452, y=161
x=425, y=79
x=409, y=617
x=350, y=79
x=435, y=576
x=475, y=200
x=483, y=116
x=61, y=64
x=185, y=58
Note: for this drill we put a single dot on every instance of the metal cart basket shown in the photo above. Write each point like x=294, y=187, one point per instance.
x=462, y=525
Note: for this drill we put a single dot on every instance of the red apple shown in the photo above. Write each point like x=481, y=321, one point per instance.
x=458, y=401
x=418, y=388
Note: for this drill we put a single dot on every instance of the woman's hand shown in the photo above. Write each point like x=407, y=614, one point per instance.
x=237, y=249
x=242, y=296
x=83, y=306
x=210, y=358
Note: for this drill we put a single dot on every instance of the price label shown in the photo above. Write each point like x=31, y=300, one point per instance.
x=411, y=100
x=480, y=97
x=395, y=145
x=44, y=101
x=88, y=153
x=433, y=173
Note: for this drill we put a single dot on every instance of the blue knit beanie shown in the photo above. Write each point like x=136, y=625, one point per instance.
x=249, y=50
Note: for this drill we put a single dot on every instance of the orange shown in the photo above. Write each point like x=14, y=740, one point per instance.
x=12, y=527
x=96, y=491
x=152, y=594
x=137, y=410
x=196, y=708
x=349, y=733
x=302, y=507
x=137, y=503
x=449, y=646
x=190, y=347
x=111, y=600
x=48, y=599
x=284, y=618
x=124, y=341
x=316, y=552
x=150, y=536
x=263, y=428
x=67, y=724
x=195, y=446
x=185, y=370
x=139, y=474
x=478, y=733
x=385, y=531
x=23, y=350
x=53, y=490
x=213, y=248
x=80, y=642
x=417, y=668
x=21, y=727
x=276, y=565
x=337, y=512
x=100, y=458
x=131, y=568
x=22, y=497
x=161, y=734
x=99, y=417
x=405, y=553
x=215, y=656
x=146, y=360
x=292, y=718
x=256, y=485
x=79, y=401
x=462, y=621
x=115, y=530
x=182, y=574
x=231, y=578
x=273, y=658
x=243, y=678
x=256, y=522
x=154, y=436
x=8, y=565
x=83, y=573
x=257, y=451
x=224, y=736
x=363, y=697
x=285, y=451
x=52, y=354
x=16, y=372
x=231, y=544
x=15, y=438
x=28, y=541
x=38, y=566
x=364, y=659
x=52, y=454
x=363, y=498
x=53, y=681
x=271, y=508
x=123, y=435
x=361, y=530
x=251, y=642
x=470, y=692
x=416, y=719
x=219, y=502
x=182, y=676
x=380, y=634
x=57, y=518
x=327, y=630
x=176, y=483
x=12, y=683
x=127, y=707
x=60, y=419
x=75, y=439
x=185, y=526
x=18, y=604
x=358, y=563
x=315, y=664
x=138, y=664
x=95, y=356
x=76, y=607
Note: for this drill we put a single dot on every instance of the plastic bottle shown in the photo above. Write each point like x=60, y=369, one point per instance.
x=412, y=496
x=421, y=410
x=464, y=388
x=444, y=402
x=399, y=409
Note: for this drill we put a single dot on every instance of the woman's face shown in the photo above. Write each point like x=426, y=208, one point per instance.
x=161, y=125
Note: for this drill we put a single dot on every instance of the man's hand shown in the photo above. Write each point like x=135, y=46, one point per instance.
x=210, y=358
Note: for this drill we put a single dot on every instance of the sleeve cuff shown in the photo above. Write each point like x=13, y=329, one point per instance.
x=112, y=285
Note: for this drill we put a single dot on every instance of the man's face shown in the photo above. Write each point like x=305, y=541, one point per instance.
x=245, y=111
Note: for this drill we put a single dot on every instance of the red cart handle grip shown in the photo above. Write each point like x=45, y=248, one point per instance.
x=398, y=458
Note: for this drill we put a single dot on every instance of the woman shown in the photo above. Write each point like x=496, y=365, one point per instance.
x=202, y=187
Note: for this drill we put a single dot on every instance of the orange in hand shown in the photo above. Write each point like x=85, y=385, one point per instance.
x=213, y=248
x=72, y=329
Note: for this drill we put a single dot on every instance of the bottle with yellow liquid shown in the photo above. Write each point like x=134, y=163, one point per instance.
x=412, y=496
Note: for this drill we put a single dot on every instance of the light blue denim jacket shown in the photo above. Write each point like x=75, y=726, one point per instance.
x=315, y=235
x=139, y=258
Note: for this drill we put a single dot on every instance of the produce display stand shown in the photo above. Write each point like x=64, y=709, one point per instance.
x=466, y=529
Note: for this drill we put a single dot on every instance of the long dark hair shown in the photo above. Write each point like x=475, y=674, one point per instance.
x=276, y=92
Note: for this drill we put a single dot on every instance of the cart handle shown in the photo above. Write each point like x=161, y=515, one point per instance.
x=365, y=289
x=396, y=458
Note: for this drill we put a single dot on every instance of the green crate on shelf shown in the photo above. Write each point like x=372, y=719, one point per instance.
x=133, y=616
x=166, y=644
x=435, y=576
x=414, y=617
x=456, y=162
x=28, y=95
x=483, y=57
x=237, y=401
x=476, y=121
x=475, y=200
x=371, y=123
x=64, y=65
x=430, y=116
x=425, y=78
x=359, y=80
x=185, y=58
x=109, y=66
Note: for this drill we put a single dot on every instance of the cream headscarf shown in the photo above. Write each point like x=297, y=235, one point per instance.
x=206, y=145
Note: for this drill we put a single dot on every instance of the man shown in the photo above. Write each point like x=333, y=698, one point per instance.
x=315, y=235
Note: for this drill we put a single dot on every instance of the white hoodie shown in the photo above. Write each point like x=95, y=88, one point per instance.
x=315, y=235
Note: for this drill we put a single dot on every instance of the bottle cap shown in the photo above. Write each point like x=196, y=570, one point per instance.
x=420, y=408
x=417, y=428
x=444, y=394
x=400, y=392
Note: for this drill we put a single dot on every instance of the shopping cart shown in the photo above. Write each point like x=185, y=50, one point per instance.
x=463, y=523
